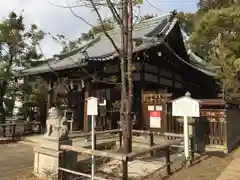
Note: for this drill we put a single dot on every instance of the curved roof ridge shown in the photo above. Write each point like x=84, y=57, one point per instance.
x=85, y=45
x=194, y=57
x=140, y=25
x=101, y=48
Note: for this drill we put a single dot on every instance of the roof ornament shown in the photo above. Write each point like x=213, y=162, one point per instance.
x=172, y=14
x=85, y=53
x=188, y=94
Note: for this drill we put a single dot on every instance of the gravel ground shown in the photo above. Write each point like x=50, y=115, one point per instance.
x=208, y=169
x=15, y=159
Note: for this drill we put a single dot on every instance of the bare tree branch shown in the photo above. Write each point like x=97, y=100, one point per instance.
x=104, y=29
x=95, y=8
x=78, y=15
x=82, y=5
x=114, y=12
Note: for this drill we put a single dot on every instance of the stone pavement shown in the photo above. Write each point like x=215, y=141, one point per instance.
x=232, y=171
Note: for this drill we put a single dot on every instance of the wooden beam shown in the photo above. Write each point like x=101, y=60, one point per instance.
x=107, y=154
x=86, y=95
x=50, y=94
x=97, y=133
x=134, y=155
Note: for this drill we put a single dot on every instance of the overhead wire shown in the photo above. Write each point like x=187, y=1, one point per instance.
x=160, y=10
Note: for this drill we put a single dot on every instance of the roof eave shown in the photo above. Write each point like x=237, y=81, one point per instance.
x=32, y=72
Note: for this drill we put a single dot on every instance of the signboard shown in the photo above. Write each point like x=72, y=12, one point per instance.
x=92, y=106
x=150, y=108
x=155, y=119
x=185, y=106
x=158, y=108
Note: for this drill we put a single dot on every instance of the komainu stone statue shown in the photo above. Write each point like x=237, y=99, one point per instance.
x=56, y=125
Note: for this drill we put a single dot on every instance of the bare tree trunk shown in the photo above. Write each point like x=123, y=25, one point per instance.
x=127, y=87
x=124, y=31
x=129, y=78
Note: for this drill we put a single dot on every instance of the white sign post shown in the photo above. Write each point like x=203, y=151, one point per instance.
x=92, y=110
x=186, y=107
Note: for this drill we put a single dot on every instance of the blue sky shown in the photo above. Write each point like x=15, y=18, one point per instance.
x=61, y=21
x=168, y=5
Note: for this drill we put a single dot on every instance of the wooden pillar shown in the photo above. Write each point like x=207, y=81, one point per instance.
x=50, y=94
x=142, y=118
x=125, y=169
x=173, y=82
x=86, y=96
x=79, y=110
x=142, y=81
x=42, y=113
x=151, y=142
x=168, y=161
x=25, y=101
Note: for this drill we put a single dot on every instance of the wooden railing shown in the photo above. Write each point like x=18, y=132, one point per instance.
x=117, y=156
x=124, y=158
x=217, y=134
x=150, y=134
x=87, y=135
x=12, y=128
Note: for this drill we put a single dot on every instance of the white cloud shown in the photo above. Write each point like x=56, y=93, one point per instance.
x=57, y=20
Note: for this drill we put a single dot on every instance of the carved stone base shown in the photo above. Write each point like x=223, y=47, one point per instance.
x=46, y=162
x=46, y=158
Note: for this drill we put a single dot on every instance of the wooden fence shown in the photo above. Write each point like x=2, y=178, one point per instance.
x=211, y=125
x=124, y=158
x=217, y=127
x=9, y=130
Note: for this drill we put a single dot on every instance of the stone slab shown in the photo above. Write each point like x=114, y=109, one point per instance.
x=54, y=144
x=47, y=158
x=45, y=161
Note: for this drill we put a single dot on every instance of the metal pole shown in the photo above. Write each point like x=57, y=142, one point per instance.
x=93, y=147
x=186, y=138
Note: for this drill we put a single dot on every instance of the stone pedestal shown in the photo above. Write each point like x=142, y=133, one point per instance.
x=47, y=156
